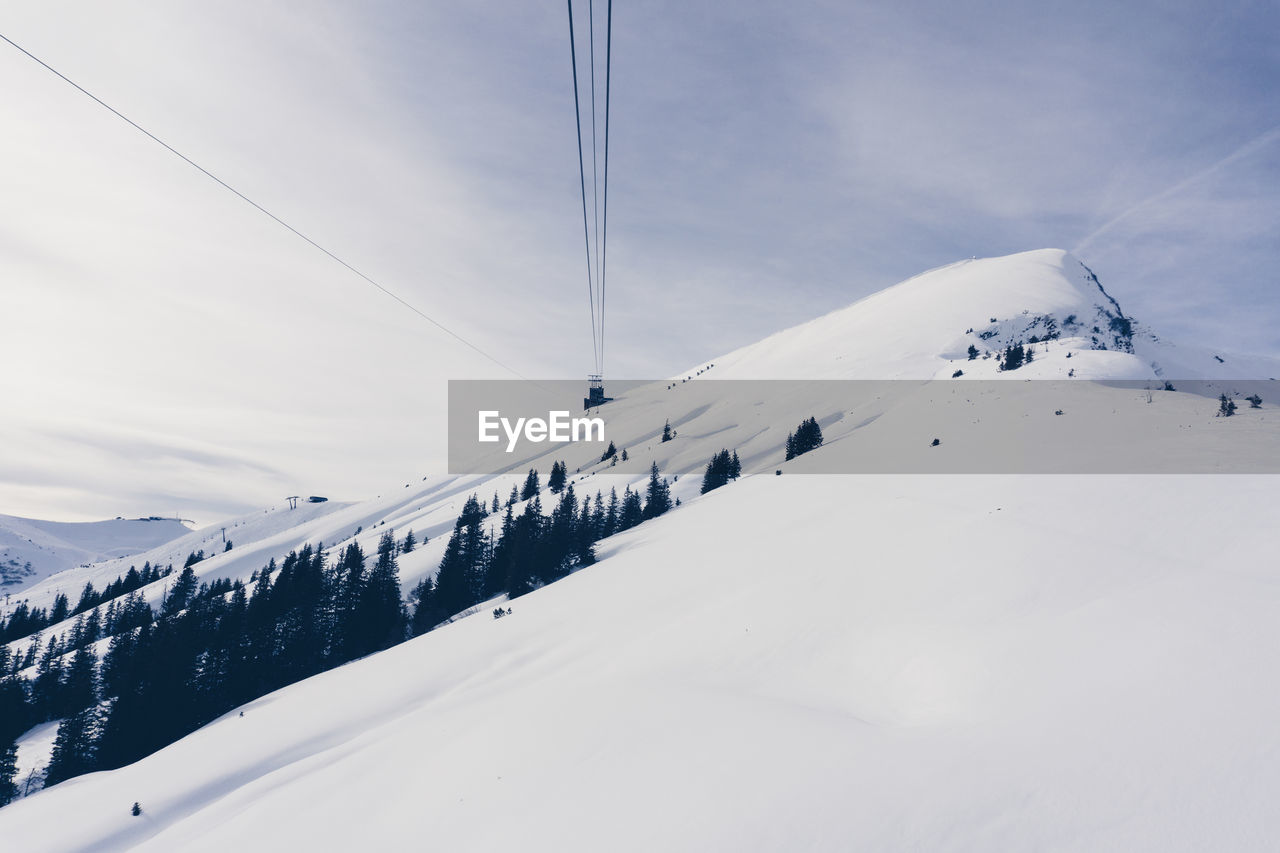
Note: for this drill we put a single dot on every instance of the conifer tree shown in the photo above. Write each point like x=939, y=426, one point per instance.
x=349, y=586
x=631, y=512
x=531, y=485
x=61, y=607
x=806, y=437
x=181, y=591
x=666, y=430
x=73, y=748
x=379, y=621
x=609, y=452
x=556, y=481
x=9, y=774
x=80, y=684
x=658, y=494
x=718, y=471
x=611, y=515
x=425, y=613
x=409, y=543
x=88, y=598
x=460, y=578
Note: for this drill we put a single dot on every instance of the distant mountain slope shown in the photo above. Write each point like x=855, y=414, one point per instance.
x=31, y=550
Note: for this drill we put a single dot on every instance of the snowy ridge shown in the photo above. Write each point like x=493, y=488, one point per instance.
x=922, y=328
x=31, y=549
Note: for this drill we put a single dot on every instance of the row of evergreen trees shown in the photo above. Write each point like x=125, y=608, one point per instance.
x=212, y=647
x=209, y=649
x=25, y=621
x=528, y=550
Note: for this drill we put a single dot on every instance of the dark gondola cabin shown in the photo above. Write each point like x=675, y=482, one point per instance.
x=595, y=392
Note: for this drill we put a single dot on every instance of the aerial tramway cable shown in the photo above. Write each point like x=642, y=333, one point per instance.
x=582, y=183
x=595, y=225
x=604, y=233
x=254, y=204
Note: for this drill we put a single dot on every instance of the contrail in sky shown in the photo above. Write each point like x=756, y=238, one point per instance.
x=1243, y=151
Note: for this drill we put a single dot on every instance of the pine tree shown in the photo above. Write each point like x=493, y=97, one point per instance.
x=61, y=607
x=609, y=452
x=74, y=748
x=1014, y=356
x=610, y=515
x=807, y=436
x=409, y=543
x=379, y=619
x=973, y=352
x=460, y=578
x=531, y=485
x=1226, y=406
x=16, y=712
x=80, y=684
x=88, y=598
x=556, y=481
x=718, y=471
x=631, y=513
x=666, y=431
x=46, y=689
x=348, y=587
x=180, y=593
x=9, y=774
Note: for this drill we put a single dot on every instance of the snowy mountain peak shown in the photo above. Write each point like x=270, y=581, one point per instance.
x=924, y=327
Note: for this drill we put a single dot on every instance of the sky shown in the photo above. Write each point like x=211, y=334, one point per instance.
x=165, y=348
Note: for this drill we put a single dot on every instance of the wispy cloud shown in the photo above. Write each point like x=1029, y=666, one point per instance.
x=768, y=162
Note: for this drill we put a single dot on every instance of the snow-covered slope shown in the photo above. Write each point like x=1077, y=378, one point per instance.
x=916, y=329
x=861, y=662
x=31, y=549
x=978, y=663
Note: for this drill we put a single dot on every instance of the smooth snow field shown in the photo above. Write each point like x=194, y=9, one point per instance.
x=826, y=663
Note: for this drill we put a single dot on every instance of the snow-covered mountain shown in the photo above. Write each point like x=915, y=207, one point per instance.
x=31, y=549
x=922, y=328
x=836, y=662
